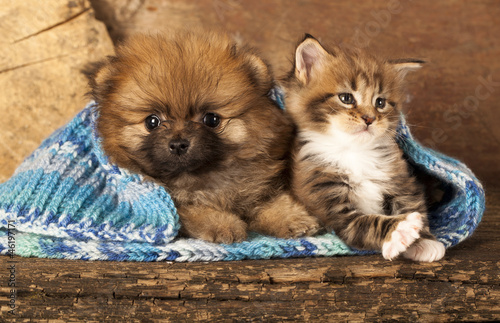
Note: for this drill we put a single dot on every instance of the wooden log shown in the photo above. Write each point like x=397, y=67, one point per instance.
x=44, y=46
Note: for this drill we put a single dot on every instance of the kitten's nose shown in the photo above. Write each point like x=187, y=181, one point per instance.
x=368, y=119
x=178, y=146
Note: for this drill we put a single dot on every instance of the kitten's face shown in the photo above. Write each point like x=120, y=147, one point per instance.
x=351, y=95
x=185, y=105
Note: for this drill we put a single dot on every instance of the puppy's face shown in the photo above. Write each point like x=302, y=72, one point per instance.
x=189, y=104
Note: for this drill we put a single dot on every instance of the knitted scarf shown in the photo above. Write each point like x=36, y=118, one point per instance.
x=66, y=200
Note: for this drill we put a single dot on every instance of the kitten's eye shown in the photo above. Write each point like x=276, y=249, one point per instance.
x=211, y=120
x=347, y=98
x=152, y=122
x=380, y=103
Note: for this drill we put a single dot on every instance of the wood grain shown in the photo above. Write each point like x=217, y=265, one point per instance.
x=44, y=47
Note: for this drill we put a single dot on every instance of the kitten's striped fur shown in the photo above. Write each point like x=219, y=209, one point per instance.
x=348, y=169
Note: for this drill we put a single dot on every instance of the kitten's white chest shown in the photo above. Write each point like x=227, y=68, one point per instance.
x=367, y=168
x=367, y=176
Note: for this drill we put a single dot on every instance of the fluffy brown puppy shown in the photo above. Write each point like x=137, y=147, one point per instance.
x=191, y=112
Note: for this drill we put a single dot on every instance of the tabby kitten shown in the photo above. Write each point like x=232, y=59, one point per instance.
x=348, y=169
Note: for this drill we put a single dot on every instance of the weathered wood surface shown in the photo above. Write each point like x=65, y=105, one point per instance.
x=465, y=285
x=43, y=47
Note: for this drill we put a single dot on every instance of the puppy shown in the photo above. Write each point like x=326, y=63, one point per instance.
x=191, y=112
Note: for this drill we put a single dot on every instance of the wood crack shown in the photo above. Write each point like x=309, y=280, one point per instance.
x=52, y=26
x=33, y=63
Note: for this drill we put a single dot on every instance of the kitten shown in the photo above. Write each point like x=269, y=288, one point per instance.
x=191, y=112
x=348, y=169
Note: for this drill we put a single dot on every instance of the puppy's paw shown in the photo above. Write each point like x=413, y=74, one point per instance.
x=285, y=218
x=406, y=232
x=298, y=226
x=234, y=230
x=212, y=225
x=425, y=250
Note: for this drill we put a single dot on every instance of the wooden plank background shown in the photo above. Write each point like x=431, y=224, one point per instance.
x=453, y=99
x=450, y=108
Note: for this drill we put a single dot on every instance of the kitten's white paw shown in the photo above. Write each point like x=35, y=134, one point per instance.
x=406, y=233
x=425, y=250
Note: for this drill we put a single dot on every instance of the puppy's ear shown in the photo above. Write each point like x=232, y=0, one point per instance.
x=258, y=69
x=309, y=59
x=98, y=74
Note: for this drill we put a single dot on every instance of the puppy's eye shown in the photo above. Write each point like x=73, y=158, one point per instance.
x=211, y=120
x=380, y=103
x=152, y=122
x=346, y=98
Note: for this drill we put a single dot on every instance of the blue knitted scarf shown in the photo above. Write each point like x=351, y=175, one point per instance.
x=68, y=201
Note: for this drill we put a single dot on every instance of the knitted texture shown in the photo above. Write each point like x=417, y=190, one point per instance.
x=67, y=200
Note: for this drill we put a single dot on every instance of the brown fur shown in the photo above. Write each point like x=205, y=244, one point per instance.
x=348, y=169
x=232, y=176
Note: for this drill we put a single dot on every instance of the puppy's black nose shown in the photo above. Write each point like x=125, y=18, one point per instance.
x=178, y=146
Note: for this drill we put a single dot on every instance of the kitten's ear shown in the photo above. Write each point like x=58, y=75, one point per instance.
x=309, y=58
x=405, y=65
